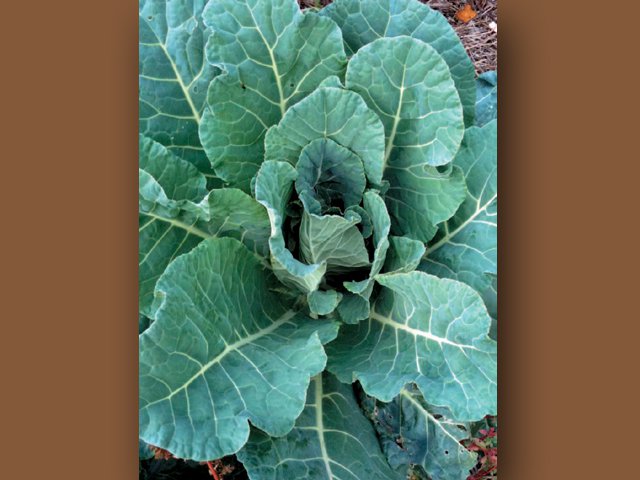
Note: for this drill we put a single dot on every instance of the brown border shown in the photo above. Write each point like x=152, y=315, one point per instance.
x=69, y=240
x=568, y=239
x=568, y=171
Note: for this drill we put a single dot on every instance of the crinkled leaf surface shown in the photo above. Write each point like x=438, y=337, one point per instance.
x=486, y=98
x=364, y=21
x=273, y=56
x=332, y=440
x=323, y=302
x=336, y=114
x=420, y=197
x=404, y=254
x=409, y=86
x=166, y=234
x=174, y=75
x=273, y=188
x=366, y=224
x=179, y=179
x=329, y=174
x=172, y=223
x=224, y=349
x=414, y=432
x=466, y=247
x=332, y=81
x=333, y=240
x=426, y=330
x=165, y=181
x=355, y=305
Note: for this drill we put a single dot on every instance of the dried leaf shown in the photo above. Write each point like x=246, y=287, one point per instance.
x=466, y=14
x=160, y=453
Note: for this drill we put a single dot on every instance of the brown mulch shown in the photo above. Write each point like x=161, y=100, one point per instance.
x=478, y=36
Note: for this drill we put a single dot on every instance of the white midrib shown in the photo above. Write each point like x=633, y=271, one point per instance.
x=177, y=223
x=283, y=106
x=457, y=230
x=227, y=350
x=396, y=121
x=409, y=397
x=185, y=90
x=199, y=233
x=320, y=425
x=417, y=333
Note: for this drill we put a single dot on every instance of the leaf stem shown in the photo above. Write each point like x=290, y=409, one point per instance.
x=212, y=471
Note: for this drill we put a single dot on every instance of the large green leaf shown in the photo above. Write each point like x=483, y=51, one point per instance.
x=331, y=440
x=336, y=114
x=333, y=240
x=363, y=21
x=174, y=75
x=273, y=56
x=413, y=432
x=273, y=188
x=487, y=98
x=466, y=247
x=164, y=236
x=426, y=330
x=408, y=84
x=175, y=214
x=224, y=349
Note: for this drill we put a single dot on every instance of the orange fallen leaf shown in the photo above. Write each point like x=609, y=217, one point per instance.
x=466, y=14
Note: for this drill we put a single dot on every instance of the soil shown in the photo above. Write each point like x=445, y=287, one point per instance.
x=176, y=469
x=480, y=35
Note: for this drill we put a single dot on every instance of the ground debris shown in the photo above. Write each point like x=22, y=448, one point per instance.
x=466, y=14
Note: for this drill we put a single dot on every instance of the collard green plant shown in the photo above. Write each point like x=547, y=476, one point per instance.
x=317, y=205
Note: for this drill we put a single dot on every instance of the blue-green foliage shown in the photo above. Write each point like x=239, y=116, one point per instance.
x=318, y=206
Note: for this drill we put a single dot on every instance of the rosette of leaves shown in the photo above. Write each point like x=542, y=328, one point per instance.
x=342, y=229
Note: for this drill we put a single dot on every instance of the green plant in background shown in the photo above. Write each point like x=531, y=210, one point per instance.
x=317, y=207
